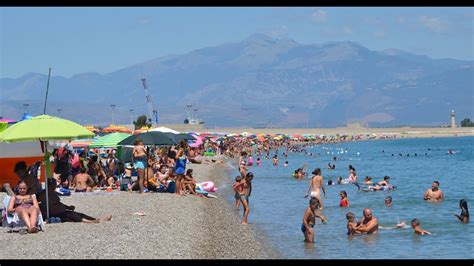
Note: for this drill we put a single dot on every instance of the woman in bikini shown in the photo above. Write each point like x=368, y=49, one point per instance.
x=26, y=207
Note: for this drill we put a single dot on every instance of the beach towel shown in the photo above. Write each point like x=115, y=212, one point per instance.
x=12, y=222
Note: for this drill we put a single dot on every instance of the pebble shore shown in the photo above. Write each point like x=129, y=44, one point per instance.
x=174, y=227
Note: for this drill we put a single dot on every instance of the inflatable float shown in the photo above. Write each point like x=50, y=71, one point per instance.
x=206, y=186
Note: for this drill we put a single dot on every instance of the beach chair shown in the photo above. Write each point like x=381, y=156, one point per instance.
x=13, y=223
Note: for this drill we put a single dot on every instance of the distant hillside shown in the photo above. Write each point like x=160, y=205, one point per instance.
x=263, y=81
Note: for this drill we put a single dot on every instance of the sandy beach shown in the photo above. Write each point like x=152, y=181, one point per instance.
x=174, y=227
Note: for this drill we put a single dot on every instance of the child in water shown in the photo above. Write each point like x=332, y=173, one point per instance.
x=351, y=224
x=285, y=164
x=344, y=201
x=250, y=161
x=309, y=220
x=259, y=162
x=415, y=224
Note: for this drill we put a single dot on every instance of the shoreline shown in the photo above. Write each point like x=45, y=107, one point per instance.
x=174, y=227
x=401, y=132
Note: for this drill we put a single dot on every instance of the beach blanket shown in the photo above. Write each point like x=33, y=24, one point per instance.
x=13, y=222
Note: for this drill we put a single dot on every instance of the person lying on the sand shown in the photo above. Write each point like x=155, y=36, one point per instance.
x=64, y=212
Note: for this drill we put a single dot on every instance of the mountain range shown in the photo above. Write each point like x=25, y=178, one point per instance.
x=261, y=81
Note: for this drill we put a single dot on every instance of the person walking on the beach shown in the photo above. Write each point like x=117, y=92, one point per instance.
x=309, y=220
x=369, y=224
x=317, y=184
x=464, y=216
x=415, y=224
x=434, y=193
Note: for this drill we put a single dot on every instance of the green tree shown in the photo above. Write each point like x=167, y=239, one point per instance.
x=466, y=122
x=141, y=122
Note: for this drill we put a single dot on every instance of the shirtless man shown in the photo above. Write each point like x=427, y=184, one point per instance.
x=369, y=224
x=309, y=220
x=83, y=182
x=316, y=183
x=434, y=194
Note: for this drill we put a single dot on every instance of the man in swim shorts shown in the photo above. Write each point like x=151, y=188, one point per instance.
x=369, y=224
x=434, y=193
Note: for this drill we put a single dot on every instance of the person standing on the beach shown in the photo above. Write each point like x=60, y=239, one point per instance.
x=309, y=220
x=415, y=224
x=369, y=224
x=246, y=189
x=180, y=167
x=464, y=217
x=238, y=189
x=317, y=184
x=139, y=160
x=434, y=193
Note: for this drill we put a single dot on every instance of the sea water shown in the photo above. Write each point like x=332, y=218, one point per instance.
x=278, y=204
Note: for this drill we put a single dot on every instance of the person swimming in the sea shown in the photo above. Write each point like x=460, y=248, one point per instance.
x=415, y=224
x=464, y=216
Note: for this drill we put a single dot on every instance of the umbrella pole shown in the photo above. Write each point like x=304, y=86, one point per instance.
x=46, y=181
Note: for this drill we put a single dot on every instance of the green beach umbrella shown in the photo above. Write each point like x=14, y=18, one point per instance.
x=109, y=140
x=43, y=128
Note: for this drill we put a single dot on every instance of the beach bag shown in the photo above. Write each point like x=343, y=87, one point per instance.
x=75, y=162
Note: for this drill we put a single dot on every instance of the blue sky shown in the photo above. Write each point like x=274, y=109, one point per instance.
x=103, y=40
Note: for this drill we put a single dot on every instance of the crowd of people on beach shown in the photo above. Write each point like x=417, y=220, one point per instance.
x=164, y=169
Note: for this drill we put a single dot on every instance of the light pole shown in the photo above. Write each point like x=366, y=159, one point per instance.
x=25, y=105
x=113, y=112
x=131, y=116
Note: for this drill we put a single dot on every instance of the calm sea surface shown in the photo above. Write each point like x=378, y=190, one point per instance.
x=277, y=203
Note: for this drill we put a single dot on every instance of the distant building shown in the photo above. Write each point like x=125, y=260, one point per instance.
x=453, y=119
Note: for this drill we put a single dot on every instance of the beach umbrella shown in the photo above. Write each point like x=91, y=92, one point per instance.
x=109, y=140
x=92, y=129
x=7, y=120
x=44, y=128
x=149, y=138
x=81, y=143
x=165, y=130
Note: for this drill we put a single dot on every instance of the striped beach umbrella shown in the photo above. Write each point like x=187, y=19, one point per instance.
x=109, y=140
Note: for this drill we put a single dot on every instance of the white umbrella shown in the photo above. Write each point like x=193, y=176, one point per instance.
x=165, y=130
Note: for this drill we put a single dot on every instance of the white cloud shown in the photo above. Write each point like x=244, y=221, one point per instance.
x=319, y=16
x=434, y=24
x=379, y=34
